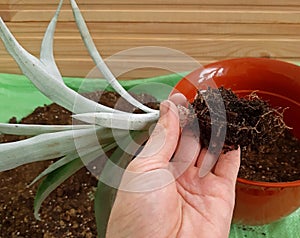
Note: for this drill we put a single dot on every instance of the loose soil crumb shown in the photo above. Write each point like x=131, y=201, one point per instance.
x=68, y=211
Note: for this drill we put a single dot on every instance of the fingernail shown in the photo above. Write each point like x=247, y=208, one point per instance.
x=234, y=153
x=208, y=163
x=164, y=107
x=179, y=99
x=203, y=172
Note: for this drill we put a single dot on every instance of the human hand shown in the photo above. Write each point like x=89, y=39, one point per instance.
x=152, y=203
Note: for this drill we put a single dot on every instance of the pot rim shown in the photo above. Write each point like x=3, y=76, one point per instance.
x=295, y=183
x=255, y=60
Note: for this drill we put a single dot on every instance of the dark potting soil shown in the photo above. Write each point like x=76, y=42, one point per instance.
x=269, y=152
x=68, y=211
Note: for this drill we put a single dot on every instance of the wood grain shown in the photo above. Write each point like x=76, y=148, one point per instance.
x=34, y=29
x=159, y=2
x=207, y=30
x=70, y=67
x=212, y=16
x=195, y=47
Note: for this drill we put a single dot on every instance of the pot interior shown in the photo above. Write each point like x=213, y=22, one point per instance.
x=277, y=82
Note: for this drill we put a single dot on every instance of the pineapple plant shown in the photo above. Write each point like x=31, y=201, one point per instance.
x=74, y=145
x=97, y=129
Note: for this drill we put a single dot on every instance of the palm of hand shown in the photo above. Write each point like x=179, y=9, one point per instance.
x=207, y=204
x=190, y=206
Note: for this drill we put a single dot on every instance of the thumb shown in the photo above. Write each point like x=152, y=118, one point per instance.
x=148, y=171
x=164, y=138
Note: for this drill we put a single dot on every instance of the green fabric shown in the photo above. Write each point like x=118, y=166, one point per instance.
x=18, y=97
x=288, y=227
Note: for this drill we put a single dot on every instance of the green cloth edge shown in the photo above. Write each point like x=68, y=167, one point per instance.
x=19, y=97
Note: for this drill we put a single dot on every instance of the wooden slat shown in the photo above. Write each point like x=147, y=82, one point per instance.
x=150, y=7
x=35, y=29
x=206, y=30
x=158, y=2
x=202, y=47
x=229, y=16
x=83, y=67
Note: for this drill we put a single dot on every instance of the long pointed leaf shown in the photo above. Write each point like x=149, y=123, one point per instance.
x=44, y=147
x=89, y=43
x=119, y=121
x=53, y=180
x=33, y=129
x=49, y=85
x=56, y=177
x=86, y=156
x=61, y=162
x=105, y=194
x=46, y=55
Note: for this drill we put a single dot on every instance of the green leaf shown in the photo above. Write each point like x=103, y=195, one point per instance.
x=34, y=129
x=54, y=145
x=46, y=55
x=58, y=172
x=118, y=120
x=105, y=194
x=46, y=146
x=45, y=81
x=61, y=162
x=52, y=181
x=100, y=64
x=23, y=97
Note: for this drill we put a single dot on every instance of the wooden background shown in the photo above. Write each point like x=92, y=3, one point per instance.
x=208, y=30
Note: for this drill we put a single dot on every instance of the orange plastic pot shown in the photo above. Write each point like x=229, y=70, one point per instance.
x=278, y=82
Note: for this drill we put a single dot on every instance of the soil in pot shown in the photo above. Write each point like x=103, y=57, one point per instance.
x=68, y=211
x=269, y=151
